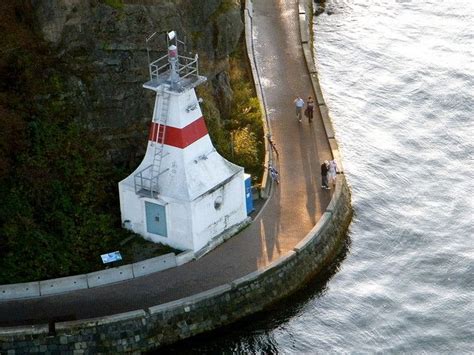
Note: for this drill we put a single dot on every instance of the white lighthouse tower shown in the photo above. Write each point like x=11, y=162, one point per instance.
x=183, y=194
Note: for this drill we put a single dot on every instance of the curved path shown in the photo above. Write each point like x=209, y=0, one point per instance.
x=293, y=209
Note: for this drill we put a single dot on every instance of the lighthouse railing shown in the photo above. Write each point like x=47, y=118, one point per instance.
x=190, y=67
x=158, y=67
x=187, y=66
x=146, y=183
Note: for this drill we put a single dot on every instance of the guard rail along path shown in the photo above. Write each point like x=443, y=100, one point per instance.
x=151, y=327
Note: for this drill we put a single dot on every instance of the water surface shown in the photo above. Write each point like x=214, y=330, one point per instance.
x=398, y=77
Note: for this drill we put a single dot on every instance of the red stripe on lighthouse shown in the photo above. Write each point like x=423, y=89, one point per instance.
x=178, y=137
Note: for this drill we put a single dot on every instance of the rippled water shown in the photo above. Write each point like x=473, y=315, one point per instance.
x=398, y=77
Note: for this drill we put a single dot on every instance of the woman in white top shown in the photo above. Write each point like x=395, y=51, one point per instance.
x=332, y=172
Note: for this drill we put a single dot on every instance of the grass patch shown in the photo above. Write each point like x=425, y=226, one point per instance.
x=136, y=248
x=116, y=4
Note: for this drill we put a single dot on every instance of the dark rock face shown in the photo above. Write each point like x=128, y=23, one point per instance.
x=223, y=92
x=103, y=46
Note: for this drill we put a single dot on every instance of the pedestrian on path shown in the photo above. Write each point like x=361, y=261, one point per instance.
x=274, y=173
x=309, y=108
x=324, y=175
x=299, y=104
x=332, y=173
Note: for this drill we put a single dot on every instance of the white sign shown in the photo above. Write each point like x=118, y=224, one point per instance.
x=111, y=257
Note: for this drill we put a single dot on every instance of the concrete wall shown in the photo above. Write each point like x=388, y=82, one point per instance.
x=130, y=206
x=179, y=225
x=209, y=222
x=150, y=328
x=93, y=279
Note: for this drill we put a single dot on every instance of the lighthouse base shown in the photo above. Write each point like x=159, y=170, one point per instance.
x=201, y=223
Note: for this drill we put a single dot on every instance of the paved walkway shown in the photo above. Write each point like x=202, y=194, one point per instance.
x=293, y=209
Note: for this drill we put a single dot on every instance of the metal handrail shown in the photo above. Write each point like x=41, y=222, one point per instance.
x=144, y=182
x=189, y=66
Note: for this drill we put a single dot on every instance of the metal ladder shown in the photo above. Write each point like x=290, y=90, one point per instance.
x=159, y=133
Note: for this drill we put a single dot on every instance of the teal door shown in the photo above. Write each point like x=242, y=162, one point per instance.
x=155, y=219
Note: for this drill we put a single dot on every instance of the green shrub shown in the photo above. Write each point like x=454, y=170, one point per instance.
x=116, y=4
x=246, y=118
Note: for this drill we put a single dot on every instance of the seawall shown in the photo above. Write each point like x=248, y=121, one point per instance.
x=149, y=328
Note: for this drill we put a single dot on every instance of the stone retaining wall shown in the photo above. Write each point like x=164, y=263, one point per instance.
x=147, y=329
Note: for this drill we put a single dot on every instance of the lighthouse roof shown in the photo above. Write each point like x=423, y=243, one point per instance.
x=196, y=176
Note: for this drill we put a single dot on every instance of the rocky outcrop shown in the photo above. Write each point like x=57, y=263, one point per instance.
x=102, y=44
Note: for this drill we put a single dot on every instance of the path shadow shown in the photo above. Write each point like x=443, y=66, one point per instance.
x=310, y=162
x=270, y=228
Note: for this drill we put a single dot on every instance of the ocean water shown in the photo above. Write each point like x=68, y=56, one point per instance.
x=398, y=77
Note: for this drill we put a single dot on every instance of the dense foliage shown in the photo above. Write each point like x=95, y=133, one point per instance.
x=239, y=136
x=59, y=206
x=246, y=120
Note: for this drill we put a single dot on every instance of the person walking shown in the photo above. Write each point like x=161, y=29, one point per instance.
x=332, y=173
x=310, y=108
x=299, y=104
x=324, y=175
x=274, y=173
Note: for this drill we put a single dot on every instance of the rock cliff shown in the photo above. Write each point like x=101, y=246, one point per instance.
x=102, y=45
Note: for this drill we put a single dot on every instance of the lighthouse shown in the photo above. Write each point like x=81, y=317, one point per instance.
x=183, y=194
